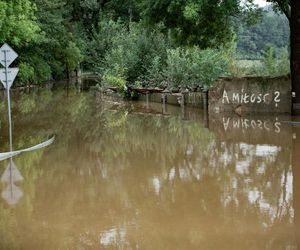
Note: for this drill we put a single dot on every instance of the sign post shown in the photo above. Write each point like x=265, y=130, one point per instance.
x=7, y=77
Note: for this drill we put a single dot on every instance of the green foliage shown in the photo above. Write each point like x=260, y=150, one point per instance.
x=26, y=73
x=71, y=56
x=196, y=22
x=115, y=81
x=282, y=6
x=274, y=64
x=141, y=42
x=154, y=75
x=59, y=52
x=41, y=68
x=102, y=42
x=34, y=70
x=273, y=29
x=194, y=67
x=18, y=25
x=133, y=53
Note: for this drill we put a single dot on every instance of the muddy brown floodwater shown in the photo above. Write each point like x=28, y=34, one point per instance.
x=130, y=175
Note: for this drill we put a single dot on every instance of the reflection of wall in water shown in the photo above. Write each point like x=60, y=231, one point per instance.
x=254, y=129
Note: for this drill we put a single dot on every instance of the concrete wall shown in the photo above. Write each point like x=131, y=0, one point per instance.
x=251, y=95
x=192, y=99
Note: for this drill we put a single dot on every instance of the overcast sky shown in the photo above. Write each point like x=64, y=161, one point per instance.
x=260, y=2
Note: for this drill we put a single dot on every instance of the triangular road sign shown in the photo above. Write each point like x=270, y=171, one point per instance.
x=11, y=76
x=8, y=54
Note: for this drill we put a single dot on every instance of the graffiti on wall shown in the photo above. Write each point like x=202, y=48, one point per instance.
x=255, y=98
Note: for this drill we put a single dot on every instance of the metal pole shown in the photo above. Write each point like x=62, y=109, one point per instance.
x=11, y=178
x=8, y=103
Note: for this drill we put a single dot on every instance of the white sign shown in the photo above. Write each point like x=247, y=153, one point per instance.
x=11, y=75
x=7, y=54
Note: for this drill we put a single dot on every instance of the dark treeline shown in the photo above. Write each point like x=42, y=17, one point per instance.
x=137, y=42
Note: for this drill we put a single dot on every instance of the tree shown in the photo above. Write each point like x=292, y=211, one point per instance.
x=291, y=8
x=204, y=23
x=197, y=22
x=18, y=24
x=58, y=48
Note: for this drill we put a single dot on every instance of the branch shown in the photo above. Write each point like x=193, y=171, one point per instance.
x=285, y=8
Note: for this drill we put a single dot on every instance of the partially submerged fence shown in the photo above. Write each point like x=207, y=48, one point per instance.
x=238, y=95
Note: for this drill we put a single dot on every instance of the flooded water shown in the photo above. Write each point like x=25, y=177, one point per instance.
x=142, y=176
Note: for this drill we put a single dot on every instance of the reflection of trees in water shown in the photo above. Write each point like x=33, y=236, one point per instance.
x=146, y=175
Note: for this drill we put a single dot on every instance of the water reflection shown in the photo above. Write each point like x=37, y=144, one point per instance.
x=12, y=193
x=125, y=176
x=11, y=175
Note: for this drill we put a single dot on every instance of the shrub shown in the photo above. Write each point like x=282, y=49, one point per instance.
x=193, y=67
x=41, y=68
x=26, y=73
x=275, y=64
x=272, y=62
x=102, y=42
x=115, y=81
x=134, y=54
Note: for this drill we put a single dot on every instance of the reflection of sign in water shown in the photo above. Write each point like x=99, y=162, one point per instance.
x=243, y=123
x=11, y=173
x=12, y=194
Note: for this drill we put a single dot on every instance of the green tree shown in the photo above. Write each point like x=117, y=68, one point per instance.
x=58, y=50
x=196, y=22
x=18, y=25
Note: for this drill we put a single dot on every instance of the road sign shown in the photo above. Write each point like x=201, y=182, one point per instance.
x=7, y=55
x=11, y=75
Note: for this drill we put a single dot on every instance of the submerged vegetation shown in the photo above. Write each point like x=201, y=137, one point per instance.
x=144, y=43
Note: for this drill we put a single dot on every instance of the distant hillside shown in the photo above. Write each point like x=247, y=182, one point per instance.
x=272, y=30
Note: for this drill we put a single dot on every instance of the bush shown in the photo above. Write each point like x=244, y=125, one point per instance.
x=102, y=42
x=275, y=64
x=193, y=67
x=115, y=81
x=41, y=68
x=136, y=54
x=26, y=73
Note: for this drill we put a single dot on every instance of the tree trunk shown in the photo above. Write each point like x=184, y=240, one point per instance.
x=295, y=54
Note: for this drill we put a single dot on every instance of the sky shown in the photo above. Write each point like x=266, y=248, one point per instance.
x=261, y=2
